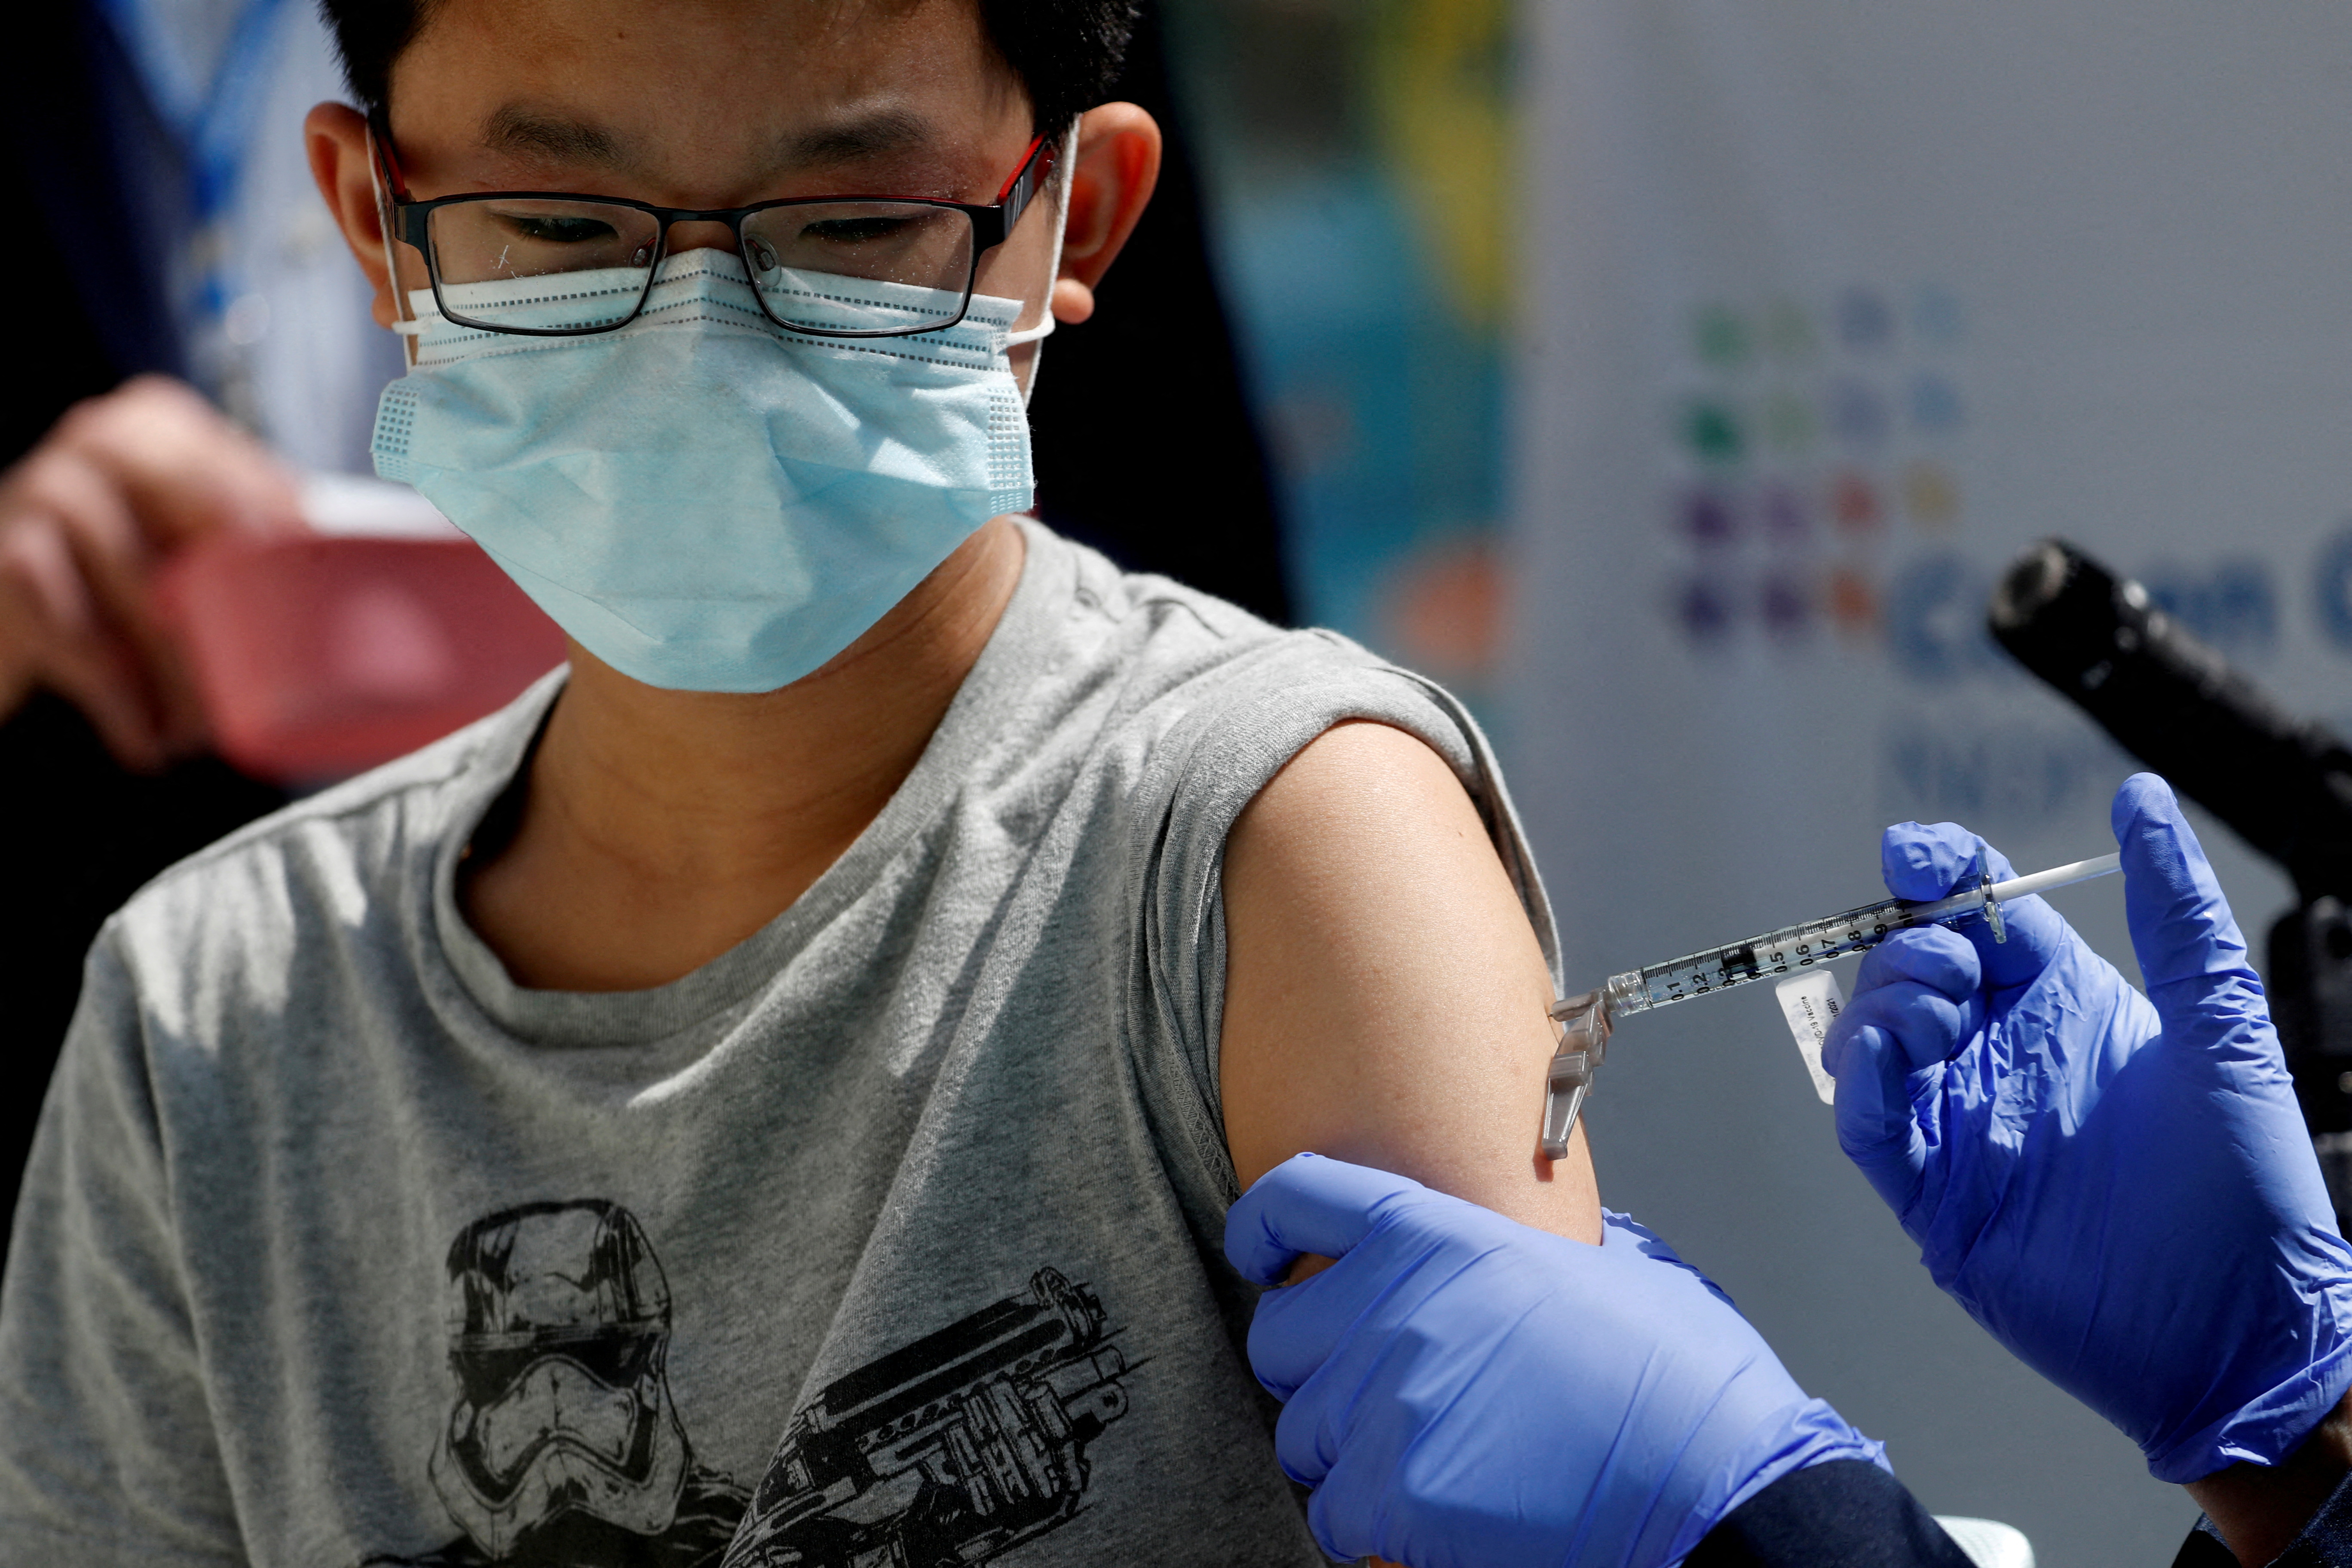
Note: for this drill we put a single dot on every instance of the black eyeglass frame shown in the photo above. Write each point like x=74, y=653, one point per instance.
x=992, y=223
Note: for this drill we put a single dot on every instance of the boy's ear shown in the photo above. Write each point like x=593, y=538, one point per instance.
x=1113, y=171
x=336, y=134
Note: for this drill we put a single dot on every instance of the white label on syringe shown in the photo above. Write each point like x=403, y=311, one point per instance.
x=1810, y=1002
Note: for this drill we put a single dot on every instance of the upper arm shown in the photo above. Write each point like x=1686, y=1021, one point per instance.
x=106, y=1445
x=1386, y=999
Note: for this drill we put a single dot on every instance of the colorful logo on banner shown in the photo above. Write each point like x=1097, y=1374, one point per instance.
x=1818, y=453
x=1808, y=439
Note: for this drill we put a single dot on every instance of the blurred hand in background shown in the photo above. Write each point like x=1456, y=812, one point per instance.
x=118, y=485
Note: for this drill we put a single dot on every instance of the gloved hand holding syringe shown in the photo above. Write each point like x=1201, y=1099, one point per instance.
x=1788, y=950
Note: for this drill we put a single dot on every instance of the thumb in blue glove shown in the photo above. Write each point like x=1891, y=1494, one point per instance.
x=2118, y=1187
x=1464, y=1389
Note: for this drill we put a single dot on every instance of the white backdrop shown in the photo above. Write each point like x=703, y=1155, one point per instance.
x=1831, y=307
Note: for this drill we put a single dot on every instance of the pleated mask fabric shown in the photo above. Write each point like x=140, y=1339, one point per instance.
x=703, y=499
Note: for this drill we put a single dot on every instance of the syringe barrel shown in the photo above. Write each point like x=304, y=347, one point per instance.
x=1777, y=953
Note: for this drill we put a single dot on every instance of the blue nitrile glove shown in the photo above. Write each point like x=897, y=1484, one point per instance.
x=2118, y=1187
x=1464, y=1389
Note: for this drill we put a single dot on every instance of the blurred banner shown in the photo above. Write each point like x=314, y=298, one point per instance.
x=1356, y=155
x=1829, y=309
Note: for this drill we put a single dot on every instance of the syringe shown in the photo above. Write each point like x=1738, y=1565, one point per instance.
x=1592, y=1015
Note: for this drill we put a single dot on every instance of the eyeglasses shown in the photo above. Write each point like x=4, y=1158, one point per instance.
x=835, y=266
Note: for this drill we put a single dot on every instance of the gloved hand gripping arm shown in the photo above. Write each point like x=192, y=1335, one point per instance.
x=2118, y=1187
x=1463, y=1389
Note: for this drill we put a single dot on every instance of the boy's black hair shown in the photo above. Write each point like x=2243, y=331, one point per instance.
x=1067, y=52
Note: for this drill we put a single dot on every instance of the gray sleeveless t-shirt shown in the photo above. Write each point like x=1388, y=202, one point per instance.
x=889, y=1237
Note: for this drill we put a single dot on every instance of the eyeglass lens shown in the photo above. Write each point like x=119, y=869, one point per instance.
x=508, y=262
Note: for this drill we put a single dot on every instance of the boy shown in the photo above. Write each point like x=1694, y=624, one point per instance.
x=771, y=1094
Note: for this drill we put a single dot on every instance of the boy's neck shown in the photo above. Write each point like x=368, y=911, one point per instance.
x=659, y=828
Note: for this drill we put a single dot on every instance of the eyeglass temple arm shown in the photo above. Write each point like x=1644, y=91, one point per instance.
x=401, y=218
x=1021, y=187
x=387, y=162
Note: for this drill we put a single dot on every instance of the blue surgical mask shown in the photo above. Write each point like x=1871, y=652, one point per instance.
x=702, y=500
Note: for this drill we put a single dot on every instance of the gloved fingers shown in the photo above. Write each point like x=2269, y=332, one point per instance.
x=2181, y=923
x=1319, y=1525
x=1343, y=1512
x=1298, y=1330
x=1304, y=1443
x=1933, y=956
x=1621, y=1234
x=1295, y=1330
x=1924, y=861
x=2033, y=934
x=1923, y=1025
x=1306, y=1204
x=1876, y=1120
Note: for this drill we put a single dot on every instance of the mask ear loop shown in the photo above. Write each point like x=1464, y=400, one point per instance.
x=404, y=321
x=1058, y=201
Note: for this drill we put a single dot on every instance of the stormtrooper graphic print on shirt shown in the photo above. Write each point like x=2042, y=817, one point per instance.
x=951, y=1451
x=562, y=1447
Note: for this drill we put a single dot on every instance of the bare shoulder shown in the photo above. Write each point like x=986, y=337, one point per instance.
x=1385, y=993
